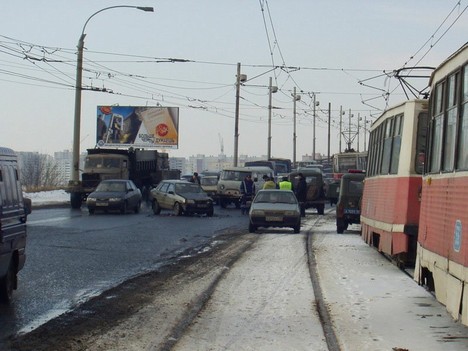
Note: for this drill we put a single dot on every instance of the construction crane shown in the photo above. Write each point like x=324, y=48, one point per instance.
x=221, y=143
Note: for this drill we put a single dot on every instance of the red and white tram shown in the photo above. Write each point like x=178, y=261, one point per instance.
x=442, y=250
x=390, y=202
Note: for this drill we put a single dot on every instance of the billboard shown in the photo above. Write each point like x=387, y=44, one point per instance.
x=137, y=126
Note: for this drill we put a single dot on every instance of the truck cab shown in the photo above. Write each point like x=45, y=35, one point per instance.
x=315, y=188
x=230, y=180
x=348, y=208
x=12, y=224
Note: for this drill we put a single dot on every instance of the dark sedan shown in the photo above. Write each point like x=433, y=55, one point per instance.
x=115, y=194
x=275, y=208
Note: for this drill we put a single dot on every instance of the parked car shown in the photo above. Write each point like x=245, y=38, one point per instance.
x=181, y=197
x=115, y=194
x=275, y=208
x=348, y=208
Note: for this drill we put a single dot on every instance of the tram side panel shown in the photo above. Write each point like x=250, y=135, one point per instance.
x=442, y=257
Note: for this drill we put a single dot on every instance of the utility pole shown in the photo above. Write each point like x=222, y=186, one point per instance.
x=271, y=90
x=341, y=124
x=236, y=119
x=294, y=129
x=365, y=132
x=329, y=120
x=349, y=131
x=358, y=119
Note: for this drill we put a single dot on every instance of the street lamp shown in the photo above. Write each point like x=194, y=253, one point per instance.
x=74, y=179
x=240, y=78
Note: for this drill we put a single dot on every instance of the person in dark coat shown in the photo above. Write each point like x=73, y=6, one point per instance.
x=247, y=189
x=301, y=192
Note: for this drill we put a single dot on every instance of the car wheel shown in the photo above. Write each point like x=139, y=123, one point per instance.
x=156, y=207
x=75, y=200
x=237, y=203
x=321, y=209
x=297, y=229
x=210, y=212
x=252, y=228
x=7, y=284
x=177, y=210
x=137, y=207
x=91, y=211
x=123, y=209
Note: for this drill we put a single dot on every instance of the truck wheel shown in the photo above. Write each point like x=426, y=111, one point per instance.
x=156, y=208
x=297, y=228
x=91, y=211
x=237, y=203
x=210, y=212
x=75, y=200
x=7, y=284
x=177, y=209
x=252, y=228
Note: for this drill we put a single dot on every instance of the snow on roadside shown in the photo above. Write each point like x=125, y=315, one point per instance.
x=48, y=197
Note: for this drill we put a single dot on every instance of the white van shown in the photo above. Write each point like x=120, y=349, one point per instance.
x=12, y=224
x=230, y=180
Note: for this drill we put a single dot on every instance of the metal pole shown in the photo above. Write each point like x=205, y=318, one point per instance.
x=269, y=119
x=294, y=132
x=349, y=132
x=313, y=137
x=358, y=118
x=365, y=132
x=329, y=120
x=341, y=123
x=236, y=123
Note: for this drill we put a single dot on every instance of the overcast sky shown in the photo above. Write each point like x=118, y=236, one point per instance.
x=323, y=48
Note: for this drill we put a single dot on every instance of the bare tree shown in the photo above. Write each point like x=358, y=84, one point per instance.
x=39, y=171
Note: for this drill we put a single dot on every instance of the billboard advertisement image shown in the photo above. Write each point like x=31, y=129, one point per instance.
x=137, y=126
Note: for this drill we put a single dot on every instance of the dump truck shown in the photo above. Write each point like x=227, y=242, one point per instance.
x=146, y=168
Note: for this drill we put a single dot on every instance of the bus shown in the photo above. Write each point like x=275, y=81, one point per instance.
x=442, y=248
x=280, y=166
x=390, y=201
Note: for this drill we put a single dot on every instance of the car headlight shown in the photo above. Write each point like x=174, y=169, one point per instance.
x=115, y=199
x=91, y=199
x=257, y=213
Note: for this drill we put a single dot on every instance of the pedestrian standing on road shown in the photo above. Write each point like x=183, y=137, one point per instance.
x=247, y=189
x=195, y=178
x=301, y=192
x=285, y=184
x=269, y=183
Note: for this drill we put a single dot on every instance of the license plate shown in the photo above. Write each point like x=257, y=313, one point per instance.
x=201, y=205
x=274, y=219
x=351, y=211
x=101, y=203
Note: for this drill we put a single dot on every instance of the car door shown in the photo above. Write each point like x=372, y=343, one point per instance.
x=161, y=195
x=170, y=196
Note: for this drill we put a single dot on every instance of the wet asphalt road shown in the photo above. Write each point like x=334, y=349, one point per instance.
x=72, y=256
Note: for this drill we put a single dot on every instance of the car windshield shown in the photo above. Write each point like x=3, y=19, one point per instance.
x=234, y=175
x=209, y=181
x=111, y=186
x=276, y=197
x=188, y=188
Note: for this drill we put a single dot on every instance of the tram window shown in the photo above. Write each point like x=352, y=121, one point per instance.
x=396, y=145
x=436, y=129
x=463, y=137
x=387, y=147
x=450, y=124
x=421, y=142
